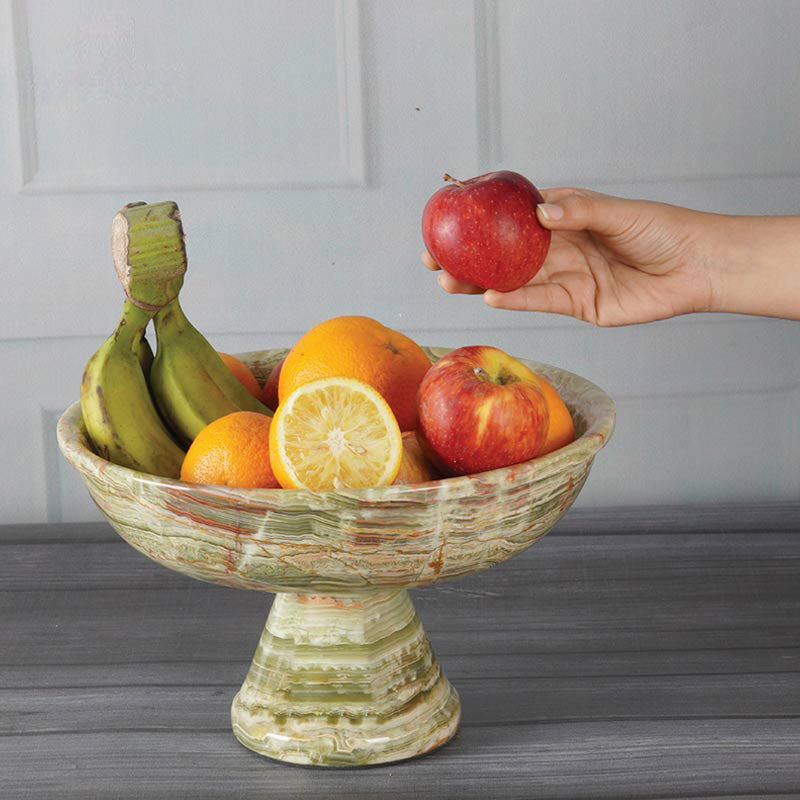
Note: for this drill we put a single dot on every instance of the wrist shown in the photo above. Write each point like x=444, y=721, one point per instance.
x=753, y=265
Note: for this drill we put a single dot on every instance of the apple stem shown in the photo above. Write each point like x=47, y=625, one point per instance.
x=451, y=179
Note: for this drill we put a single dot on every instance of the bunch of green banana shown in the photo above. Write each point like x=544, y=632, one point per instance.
x=188, y=381
x=119, y=414
x=191, y=384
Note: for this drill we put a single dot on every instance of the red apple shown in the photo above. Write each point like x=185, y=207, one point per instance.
x=269, y=394
x=485, y=231
x=479, y=409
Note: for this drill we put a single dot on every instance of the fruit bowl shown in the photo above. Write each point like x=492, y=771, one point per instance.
x=344, y=674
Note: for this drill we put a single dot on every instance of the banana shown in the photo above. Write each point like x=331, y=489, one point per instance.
x=189, y=381
x=119, y=414
x=145, y=355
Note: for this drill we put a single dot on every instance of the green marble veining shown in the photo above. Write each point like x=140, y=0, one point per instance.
x=344, y=673
x=344, y=680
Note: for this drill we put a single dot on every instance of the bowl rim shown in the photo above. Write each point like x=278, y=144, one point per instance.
x=583, y=448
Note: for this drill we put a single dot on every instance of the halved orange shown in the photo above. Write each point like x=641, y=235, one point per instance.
x=335, y=433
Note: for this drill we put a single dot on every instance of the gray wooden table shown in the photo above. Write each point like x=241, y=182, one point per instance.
x=648, y=652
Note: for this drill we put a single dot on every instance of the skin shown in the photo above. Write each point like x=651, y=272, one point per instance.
x=614, y=261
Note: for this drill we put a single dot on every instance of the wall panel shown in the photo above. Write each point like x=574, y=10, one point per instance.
x=301, y=141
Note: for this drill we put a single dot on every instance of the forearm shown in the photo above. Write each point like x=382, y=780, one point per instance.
x=754, y=265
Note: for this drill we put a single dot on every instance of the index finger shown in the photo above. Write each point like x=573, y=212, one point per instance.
x=427, y=260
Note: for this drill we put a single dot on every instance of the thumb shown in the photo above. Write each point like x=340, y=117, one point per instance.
x=579, y=209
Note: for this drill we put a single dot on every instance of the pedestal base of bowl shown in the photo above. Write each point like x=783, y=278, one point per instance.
x=344, y=681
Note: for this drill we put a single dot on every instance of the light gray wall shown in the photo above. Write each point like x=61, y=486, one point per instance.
x=301, y=141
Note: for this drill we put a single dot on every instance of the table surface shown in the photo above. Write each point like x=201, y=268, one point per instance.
x=647, y=652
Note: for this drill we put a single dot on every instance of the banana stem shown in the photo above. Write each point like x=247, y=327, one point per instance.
x=131, y=325
x=171, y=314
x=147, y=245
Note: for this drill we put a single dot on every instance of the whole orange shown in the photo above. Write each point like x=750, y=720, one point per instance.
x=415, y=467
x=561, y=430
x=232, y=451
x=243, y=373
x=361, y=348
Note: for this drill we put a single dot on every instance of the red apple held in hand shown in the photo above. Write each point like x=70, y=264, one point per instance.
x=485, y=231
x=479, y=409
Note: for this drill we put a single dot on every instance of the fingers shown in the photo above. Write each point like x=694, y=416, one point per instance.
x=450, y=284
x=547, y=297
x=453, y=286
x=579, y=209
x=427, y=260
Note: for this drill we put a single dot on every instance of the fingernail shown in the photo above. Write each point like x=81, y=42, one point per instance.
x=551, y=211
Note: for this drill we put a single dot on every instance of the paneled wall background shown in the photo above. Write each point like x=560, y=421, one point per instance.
x=301, y=140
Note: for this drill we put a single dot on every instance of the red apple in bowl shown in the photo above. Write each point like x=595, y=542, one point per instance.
x=479, y=409
x=269, y=394
x=484, y=230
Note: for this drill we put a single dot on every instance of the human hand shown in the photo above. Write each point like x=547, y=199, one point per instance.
x=613, y=261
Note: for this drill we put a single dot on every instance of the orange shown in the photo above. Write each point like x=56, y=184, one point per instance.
x=414, y=468
x=361, y=348
x=242, y=372
x=561, y=430
x=232, y=451
x=335, y=433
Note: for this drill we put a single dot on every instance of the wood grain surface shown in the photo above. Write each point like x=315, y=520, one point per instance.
x=646, y=652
